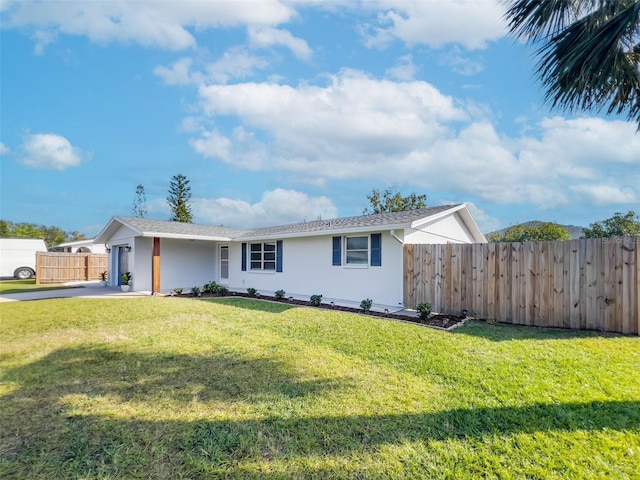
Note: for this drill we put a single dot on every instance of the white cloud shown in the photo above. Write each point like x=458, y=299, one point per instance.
x=368, y=117
x=154, y=23
x=268, y=36
x=212, y=144
x=173, y=25
x=471, y=23
x=179, y=73
x=404, y=70
x=42, y=39
x=460, y=63
x=50, y=151
x=235, y=63
x=277, y=207
x=607, y=194
x=4, y=150
x=358, y=127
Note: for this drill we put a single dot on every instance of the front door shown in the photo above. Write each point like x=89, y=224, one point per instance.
x=123, y=263
x=224, y=264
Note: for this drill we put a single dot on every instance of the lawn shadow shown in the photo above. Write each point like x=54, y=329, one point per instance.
x=502, y=332
x=219, y=376
x=37, y=422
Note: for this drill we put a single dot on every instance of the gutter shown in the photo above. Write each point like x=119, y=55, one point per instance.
x=393, y=234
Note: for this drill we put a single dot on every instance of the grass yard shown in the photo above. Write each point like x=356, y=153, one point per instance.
x=22, y=286
x=173, y=388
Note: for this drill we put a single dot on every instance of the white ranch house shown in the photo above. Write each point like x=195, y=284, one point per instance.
x=345, y=260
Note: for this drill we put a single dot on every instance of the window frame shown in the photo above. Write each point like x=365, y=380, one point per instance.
x=258, y=258
x=347, y=250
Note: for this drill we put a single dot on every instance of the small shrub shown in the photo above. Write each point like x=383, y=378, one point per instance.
x=195, y=291
x=211, y=287
x=177, y=290
x=252, y=292
x=365, y=305
x=103, y=276
x=126, y=278
x=424, y=310
x=315, y=300
x=280, y=294
x=221, y=290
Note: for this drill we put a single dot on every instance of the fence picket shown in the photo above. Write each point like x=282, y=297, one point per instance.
x=589, y=284
x=59, y=267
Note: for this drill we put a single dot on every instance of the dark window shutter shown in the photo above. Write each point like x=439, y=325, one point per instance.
x=376, y=249
x=244, y=257
x=279, y=256
x=337, y=252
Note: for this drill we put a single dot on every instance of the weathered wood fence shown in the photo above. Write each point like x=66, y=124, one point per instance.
x=591, y=284
x=56, y=267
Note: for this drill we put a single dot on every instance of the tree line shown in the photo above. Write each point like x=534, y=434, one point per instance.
x=51, y=235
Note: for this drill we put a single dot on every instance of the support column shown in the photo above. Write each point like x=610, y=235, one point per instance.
x=155, y=267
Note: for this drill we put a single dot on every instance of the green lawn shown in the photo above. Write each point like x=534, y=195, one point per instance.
x=235, y=388
x=22, y=286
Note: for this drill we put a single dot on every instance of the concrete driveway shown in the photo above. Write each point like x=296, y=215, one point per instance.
x=75, y=290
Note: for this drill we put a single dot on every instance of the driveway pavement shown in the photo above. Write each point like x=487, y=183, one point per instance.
x=77, y=289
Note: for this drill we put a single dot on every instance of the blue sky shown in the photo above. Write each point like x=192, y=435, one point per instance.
x=283, y=111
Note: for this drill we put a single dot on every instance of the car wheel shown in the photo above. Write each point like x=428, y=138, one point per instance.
x=24, y=273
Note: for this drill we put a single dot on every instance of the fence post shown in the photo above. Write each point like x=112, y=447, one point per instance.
x=87, y=270
x=38, y=268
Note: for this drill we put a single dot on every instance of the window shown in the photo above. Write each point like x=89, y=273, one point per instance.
x=357, y=250
x=262, y=256
x=224, y=263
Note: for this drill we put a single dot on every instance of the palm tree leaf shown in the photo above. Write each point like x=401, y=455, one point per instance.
x=590, y=57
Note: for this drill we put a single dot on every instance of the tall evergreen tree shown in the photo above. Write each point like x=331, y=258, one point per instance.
x=179, y=199
x=140, y=203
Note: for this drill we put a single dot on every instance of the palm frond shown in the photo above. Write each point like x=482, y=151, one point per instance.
x=590, y=57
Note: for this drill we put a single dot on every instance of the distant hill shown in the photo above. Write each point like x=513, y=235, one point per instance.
x=574, y=231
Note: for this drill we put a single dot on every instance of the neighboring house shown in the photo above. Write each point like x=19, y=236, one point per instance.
x=79, y=246
x=346, y=259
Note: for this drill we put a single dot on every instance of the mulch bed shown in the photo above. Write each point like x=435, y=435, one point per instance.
x=447, y=322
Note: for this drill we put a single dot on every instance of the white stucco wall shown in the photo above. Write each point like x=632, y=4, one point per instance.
x=448, y=229
x=141, y=270
x=185, y=264
x=308, y=270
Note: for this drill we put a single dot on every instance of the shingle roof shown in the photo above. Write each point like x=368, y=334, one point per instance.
x=178, y=229
x=365, y=222
x=389, y=220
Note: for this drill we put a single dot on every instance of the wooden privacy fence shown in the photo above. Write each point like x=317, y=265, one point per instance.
x=56, y=267
x=591, y=284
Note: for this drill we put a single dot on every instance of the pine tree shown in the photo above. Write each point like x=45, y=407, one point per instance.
x=140, y=202
x=179, y=199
